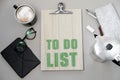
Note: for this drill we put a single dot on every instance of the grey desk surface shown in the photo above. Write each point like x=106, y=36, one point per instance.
x=10, y=29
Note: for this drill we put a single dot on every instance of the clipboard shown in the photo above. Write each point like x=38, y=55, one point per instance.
x=61, y=39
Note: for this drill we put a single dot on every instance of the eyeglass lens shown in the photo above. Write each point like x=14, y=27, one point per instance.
x=30, y=34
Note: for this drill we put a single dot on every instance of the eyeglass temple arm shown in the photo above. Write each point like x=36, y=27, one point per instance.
x=24, y=38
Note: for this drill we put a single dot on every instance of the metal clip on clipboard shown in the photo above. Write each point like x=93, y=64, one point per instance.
x=61, y=9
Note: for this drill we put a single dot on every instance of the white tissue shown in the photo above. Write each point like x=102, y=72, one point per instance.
x=109, y=21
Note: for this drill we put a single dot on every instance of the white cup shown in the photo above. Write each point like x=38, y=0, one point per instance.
x=24, y=14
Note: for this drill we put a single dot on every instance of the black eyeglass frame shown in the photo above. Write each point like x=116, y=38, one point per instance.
x=29, y=34
x=21, y=46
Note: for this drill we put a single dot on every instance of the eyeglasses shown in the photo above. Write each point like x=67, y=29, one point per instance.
x=30, y=35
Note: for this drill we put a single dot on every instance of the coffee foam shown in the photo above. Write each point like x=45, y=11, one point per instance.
x=25, y=14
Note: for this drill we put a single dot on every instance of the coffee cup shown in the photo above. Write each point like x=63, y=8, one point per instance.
x=25, y=14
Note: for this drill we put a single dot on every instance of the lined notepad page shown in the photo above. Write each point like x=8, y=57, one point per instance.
x=61, y=41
